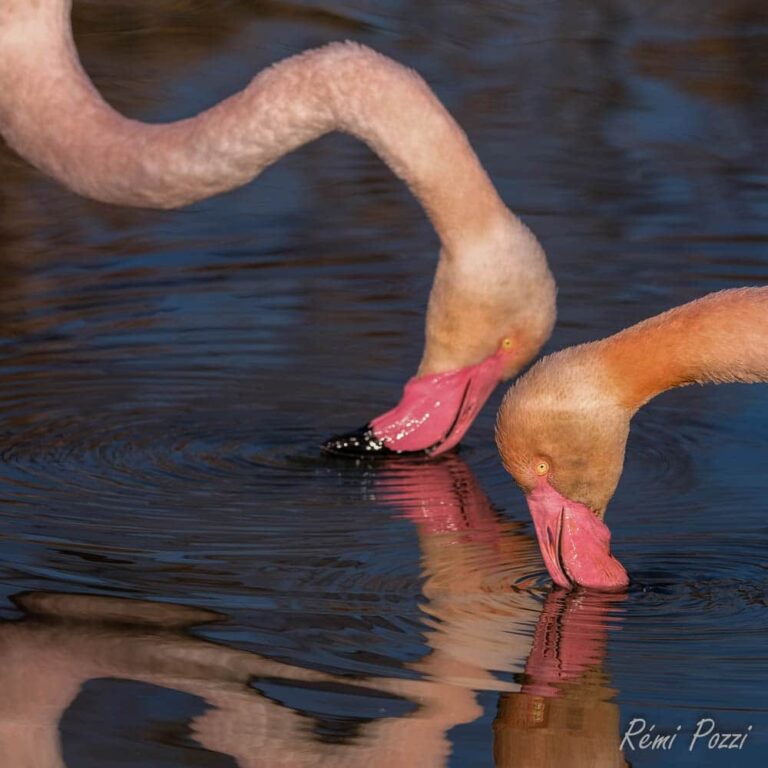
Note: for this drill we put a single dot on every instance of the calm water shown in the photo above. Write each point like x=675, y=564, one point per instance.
x=167, y=378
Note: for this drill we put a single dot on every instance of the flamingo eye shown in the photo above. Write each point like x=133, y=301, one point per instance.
x=506, y=344
x=542, y=468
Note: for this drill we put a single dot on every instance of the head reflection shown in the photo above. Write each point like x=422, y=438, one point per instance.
x=562, y=715
x=485, y=627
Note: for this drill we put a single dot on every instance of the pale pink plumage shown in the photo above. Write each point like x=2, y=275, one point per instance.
x=492, y=281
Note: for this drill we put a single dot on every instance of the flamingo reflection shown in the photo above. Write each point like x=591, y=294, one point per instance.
x=486, y=628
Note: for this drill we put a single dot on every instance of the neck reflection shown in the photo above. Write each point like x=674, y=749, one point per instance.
x=486, y=630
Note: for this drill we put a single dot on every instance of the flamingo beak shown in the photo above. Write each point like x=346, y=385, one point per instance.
x=574, y=543
x=432, y=416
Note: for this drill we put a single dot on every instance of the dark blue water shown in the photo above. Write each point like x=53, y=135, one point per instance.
x=166, y=379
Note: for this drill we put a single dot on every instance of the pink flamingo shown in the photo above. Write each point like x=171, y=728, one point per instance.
x=563, y=427
x=492, y=304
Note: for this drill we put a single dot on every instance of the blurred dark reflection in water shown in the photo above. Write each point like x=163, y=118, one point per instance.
x=166, y=379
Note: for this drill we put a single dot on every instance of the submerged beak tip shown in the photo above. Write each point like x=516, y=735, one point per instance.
x=360, y=443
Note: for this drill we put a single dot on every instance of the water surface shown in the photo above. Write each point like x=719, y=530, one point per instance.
x=167, y=378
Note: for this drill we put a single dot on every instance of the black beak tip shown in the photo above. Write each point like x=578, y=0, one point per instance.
x=361, y=443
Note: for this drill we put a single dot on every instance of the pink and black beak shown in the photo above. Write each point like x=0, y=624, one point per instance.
x=432, y=416
x=574, y=542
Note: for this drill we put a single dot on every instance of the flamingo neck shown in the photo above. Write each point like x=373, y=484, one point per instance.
x=720, y=338
x=492, y=281
x=51, y=114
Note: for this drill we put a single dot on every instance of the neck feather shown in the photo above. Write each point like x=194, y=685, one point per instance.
x=492, y=281
x=720, y=338
x=52, y=115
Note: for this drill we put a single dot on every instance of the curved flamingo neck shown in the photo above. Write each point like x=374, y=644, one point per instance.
x=52, y=115
x=492, y=280
x=720, y=338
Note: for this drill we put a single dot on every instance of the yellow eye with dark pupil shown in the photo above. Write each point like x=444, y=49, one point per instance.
x=542, y=468
x=506, y=344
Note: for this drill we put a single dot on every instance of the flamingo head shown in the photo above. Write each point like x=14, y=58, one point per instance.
x=562, y=433
x=491, y=308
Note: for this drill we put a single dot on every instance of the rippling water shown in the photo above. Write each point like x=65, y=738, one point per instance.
x=167, y=378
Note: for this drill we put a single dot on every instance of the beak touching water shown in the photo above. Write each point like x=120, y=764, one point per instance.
x=574, y=543
x=432, y=416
